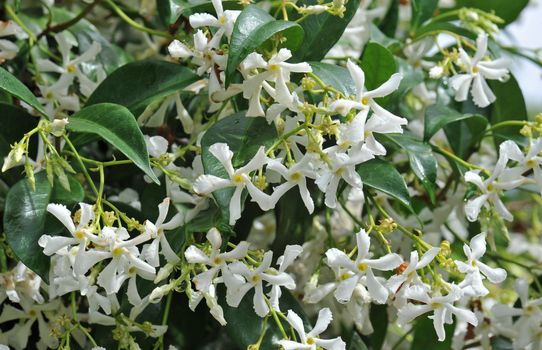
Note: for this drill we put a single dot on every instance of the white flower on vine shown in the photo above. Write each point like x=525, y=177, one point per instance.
x=476, y=73
x=365, y=101
x=216, y=260
x=311, y=340
x=441, y=306
x=276, y=70
x=240, y=179
x=351, y=272
x=476, y=270
x=224, y=20
x=525, y=162
x=71, y=66
x=150, y=252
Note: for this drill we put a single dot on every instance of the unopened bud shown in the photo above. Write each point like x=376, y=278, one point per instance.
x=164, y=273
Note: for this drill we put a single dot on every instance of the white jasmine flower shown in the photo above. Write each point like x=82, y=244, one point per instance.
x=216, y=260
x=8, y=49
x=212, y=302
x=296, y=175
x=276, y=70
x=441, y=306
x=365, y=100
x=127, y=196
x=476, y=270
x=350, y=272
x=240, y=179
x=156, y=232
x=530, y=161
x=311, y=340
x=224, y=20
x=476, y=73
x=70, y=66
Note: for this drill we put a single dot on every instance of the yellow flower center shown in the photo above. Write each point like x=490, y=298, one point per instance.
x=295, y=176
x=436, y=305
x=344, y=276
x=70, y=68
x=362, y=267
x=474, y=70
x=32, y=313
x=310, y=341
x=531, y=163
x=490, y=187
x=339, y=171
x=238, y=178
x=117, y=251
x=222, y=20
x=217, y=261
x=79, y=234
x=274, y=67
x=255, y=279
x=365, y=101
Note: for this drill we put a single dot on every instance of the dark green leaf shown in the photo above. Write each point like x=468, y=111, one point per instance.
x=425, y=336
x=10, y=84
x=117, y=125
x=135, y=85
x=244, y=136
x=25, y=217
x=244, y=318
x=434, y=28
x=421, y=158
x=382, y=176
x=378, y=64
x=322, y=31
x=501, y=343
x=422, y=10
x=509, y=105
x=336, y=76
x=356, y=343
x=15, y=122
x=253, y=27
x=507, y=10
x=438, y=116
x=388, y=26
x=379, y=319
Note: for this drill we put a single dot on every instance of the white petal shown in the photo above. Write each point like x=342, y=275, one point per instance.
x=386, y=88
x=323, y=321
x=63, y=215
x=206, y=184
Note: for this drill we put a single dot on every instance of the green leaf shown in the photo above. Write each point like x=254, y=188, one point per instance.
x=25, y=217
x=388, y=26
x=378, y=64
x=379, y=319
x=135, y=85
x=382, y=176
x=356, y=343
x=501, y=343
x=508, y=10
x=434, y=28
x=322, y=31
x=15, y=123
x=421, y=158
x=422, y=10
x=336, y=76
x=244, y=318
x=244, y=136
x=438, y=116
x=10, y=84
x=252, y=28
x=509, y=105
x=425, y=336
x=117, y=125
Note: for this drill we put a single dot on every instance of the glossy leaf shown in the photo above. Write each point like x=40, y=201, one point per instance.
x=244, y=318
x=115, y=124
x=25, y=217
x=382, y=176
x=356, y=343
x=509, y=105
x=434, y=28
x=508, y=10
x=244, y=136
x=379, y=65
x=15, y=122
x=336, y=76
x=389, y=23
x=379, y=319
x=322, y=31
x=438, y=116
x=422, y=10
x=135, y=85
x=425, y=336
x=10, y=84
x=254, y=27
x=422, y=160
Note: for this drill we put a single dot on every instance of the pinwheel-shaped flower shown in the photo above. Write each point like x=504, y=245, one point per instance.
x=476, y=270
x=224, y=20
x=476, y=73
x=311, y=340
x=240, y=179
x=351, y=272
